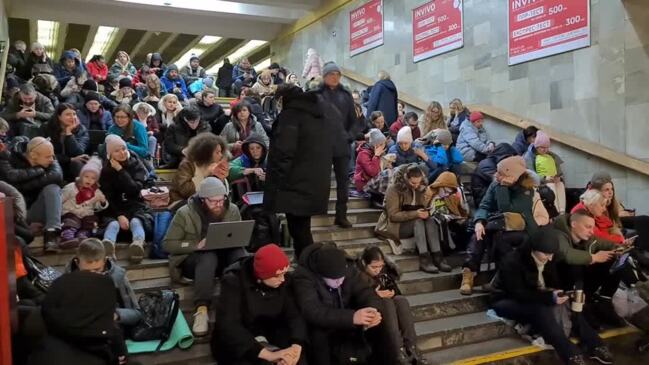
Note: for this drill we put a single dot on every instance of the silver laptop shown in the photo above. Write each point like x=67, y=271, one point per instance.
x=228, y=235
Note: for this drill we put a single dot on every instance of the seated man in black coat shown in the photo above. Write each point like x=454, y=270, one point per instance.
x=257, y=319
x=340, y=308
x=211, y=112
x=525, y=290
x=484, y=174
x=33, y=170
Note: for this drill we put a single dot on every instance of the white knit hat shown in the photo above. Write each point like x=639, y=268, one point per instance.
x=404, y=135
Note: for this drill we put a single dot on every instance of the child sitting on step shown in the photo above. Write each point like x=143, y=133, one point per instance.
x=547, y=165
x=81, y=200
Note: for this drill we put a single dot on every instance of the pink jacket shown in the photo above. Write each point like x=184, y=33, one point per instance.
x=368, y=166
x=312, y=67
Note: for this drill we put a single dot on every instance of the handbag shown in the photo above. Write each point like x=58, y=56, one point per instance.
x=351, y=348
x=507, y=222
x=156, y=197
x=41, y=276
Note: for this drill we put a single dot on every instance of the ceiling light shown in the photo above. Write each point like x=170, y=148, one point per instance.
x=103, y=38
x=197, y=50
x=47, y=34
x=264, y=64
x=238, y=54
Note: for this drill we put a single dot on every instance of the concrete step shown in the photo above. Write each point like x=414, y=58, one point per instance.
x=362, y=230
x=63, y=257
x=353, y=203
x=418, y=282
x=446, y=303
x=198, y=354
x=459, y=330
x=147, y=269
x=480, y=349
x=355, y=216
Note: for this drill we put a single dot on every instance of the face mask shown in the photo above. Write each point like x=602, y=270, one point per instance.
x=334, y=283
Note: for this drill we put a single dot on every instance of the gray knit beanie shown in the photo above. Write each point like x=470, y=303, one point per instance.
x=376, y=137
x=330, y=67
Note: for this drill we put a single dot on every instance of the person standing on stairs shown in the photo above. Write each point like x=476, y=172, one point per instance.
x=406, y=215
x=341, y=119
x=187, y=236
x=298, y=169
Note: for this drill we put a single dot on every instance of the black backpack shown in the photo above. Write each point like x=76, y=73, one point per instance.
x=159, y=311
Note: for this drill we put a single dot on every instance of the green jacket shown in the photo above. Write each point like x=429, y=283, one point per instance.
x=577, y=253
x=185, y=231
x=502, y=199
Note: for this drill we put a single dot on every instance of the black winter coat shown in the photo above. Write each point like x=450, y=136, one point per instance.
x=517, y=278
x=298, y=171
x=321, y=306
x=214, y=116
x=224, y=76
x=28, y=179
x=177, y=138
x=66, y=147
x=384, y=97
x=247, y=309
x=483, y=176
x=340, y=115
x=122, y=190
x=53, y=350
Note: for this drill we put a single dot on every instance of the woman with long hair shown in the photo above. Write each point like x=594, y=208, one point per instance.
x=132, y=132
x=69, y=138
x=242, y=124
x=433, y=119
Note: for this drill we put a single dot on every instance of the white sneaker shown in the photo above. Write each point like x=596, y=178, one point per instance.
x=201, y=322
x=396, y=249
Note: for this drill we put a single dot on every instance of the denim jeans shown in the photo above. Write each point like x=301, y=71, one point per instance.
x=136, y=229
x=47, y=208
x=153, y=146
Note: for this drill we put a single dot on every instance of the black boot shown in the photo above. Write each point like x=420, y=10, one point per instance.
x=439, y=261
x=341, y=221
x=426, y=264
x=416, y=357
x=51, y=241
x=604, y=310
x=403, y=359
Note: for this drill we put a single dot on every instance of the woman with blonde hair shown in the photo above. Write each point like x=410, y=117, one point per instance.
x=433, y=119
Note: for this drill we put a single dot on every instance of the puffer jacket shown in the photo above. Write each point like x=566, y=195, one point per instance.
x=451, y=202
x=102, y=120
x=472, y=140
x=520, y=144
x=368, y=166
x=177, y=138
x=232, y=132
x=398, y=195
x=190, y=75
x=484, y=174
x=577, y=253
x=85, y=209
x=122, y=189
x=530, y=160
x=63, y=75
x=604, y=226
x=128, y=308
x=29, y=180
x=245, y=161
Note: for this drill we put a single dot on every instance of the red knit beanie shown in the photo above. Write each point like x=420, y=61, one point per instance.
x=268, y=261
x=475, y=116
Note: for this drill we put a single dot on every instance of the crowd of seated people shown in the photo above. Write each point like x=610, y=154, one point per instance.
x=78, y=158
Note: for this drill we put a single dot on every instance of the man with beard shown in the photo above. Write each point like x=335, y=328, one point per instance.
x=186, y=238
x=27, y=108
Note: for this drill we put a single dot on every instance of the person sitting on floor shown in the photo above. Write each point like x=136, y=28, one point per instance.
x=251, y=165
x=509, y=201
x=174, y=84
x=407, y=151
x=258, y=319
x=484, y=174
x=473, y=141
x=524, y=139
x=91, y=256
x=31, y=167
x=187, y=237
x=339, y=308
x=82, y=199
x=443, y=155
x=595, y=203
x=411, y=119
x=405, y=216
x=547, y=165
x=368, y=160
x=527, y=289
x=381, y=275
x=188, y=124
x=450, y=212
x=458, y=114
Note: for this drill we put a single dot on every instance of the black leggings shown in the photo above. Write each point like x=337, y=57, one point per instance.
x=300, y=229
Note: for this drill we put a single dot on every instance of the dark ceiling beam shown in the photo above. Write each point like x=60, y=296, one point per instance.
x=127, y=43
x=155, y=42
x=187, y=48
x=111, y=51
x=92, y=32
x=177, y=45
x=77, y=36
x=19, y=30
x=138, y=47
x=259, y=54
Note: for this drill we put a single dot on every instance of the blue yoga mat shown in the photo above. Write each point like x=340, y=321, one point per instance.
x=180, y=336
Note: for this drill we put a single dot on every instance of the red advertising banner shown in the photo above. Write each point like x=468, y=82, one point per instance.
x=366, y=27
x=436, y=28
x=540, y=28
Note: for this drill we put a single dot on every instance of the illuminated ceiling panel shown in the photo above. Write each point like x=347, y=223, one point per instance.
x=238, y=54
x=197, y=50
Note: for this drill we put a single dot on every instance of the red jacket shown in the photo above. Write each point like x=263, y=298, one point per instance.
x=603, y=225
x=396, y=126
x=367, y=166
x=98, y=74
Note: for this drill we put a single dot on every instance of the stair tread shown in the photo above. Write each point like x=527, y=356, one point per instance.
x=351, y=212
x=443, y=296
x=456, y=353
x=194, y=354
x=446, y=324
x=354, y=227
x=420, y=275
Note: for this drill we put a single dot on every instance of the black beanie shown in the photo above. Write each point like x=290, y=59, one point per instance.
x=125, y=82
x=90, y=85
x=81, y=304
x=545, y=240
x=330, y=262
x=92, y=96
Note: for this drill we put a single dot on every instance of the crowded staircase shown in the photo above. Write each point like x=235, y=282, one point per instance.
x=451, y=328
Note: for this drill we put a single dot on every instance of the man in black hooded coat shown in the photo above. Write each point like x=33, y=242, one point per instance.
x=483, y=175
